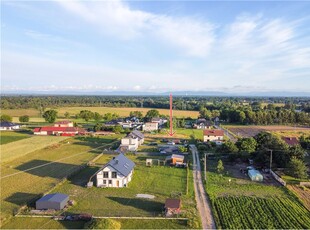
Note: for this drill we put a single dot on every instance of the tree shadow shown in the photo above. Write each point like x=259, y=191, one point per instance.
x=143, y=204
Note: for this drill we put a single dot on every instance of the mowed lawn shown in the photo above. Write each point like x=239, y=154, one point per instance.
x=27, y=177
x=11, y=136
x=19, y=148
x=243, y=204
x=160, y=181
x=123, y=111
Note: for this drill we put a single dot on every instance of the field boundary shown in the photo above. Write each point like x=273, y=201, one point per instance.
x=114, y=217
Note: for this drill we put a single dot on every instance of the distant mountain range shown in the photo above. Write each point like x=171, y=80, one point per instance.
x=176, y=93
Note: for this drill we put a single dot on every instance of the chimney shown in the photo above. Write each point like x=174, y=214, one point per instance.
x=116, y=161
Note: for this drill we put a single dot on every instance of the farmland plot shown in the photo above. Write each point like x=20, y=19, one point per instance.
x=251, y=131
x=243, y=204
x=28, y=177
x=11, y=136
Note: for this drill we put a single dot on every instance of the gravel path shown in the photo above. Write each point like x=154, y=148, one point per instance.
x=203, y=204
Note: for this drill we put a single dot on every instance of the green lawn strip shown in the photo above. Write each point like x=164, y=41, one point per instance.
x=41, y=223
x=11, y=136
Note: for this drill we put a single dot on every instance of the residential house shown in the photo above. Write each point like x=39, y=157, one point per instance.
x=139, y=135
x=63, y=124
x=58, y=131
x=129, y=143
x=202, y=124
x=172, y=207
x=5, y=125
x=150, y=126
x=116, y=173
x=160, y=121
x=175, y=159
x=215, y=135
x=291, y=141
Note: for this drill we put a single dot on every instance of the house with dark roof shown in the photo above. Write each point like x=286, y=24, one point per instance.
x=55, y=201
x=172, y=207
x=5, y=125
x=202, y=123
x=291, y=141
x=116, y=173
x=215, y=135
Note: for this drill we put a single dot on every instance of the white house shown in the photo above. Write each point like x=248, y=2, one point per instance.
x=116, y=173
x=215, y=135
x=5, y=125
x=202, y=124
x=131, y=143
x=150, y=126
x=138, y=134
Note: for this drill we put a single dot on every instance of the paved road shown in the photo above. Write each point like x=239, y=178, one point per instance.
x=203, y=204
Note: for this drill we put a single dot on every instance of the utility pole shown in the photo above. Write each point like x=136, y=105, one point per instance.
x=270, y=159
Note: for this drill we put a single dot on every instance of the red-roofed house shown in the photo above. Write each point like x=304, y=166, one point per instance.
x=215, y=135
x=291, y=141
x=63, y=124
x=172, y=206
x=59, y=131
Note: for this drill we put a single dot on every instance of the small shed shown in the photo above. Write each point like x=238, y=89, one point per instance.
x=55, y=201
x=172, y=206
x=175, y=159
x=255, y=175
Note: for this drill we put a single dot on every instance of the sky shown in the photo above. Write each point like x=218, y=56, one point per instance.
x=155, y=46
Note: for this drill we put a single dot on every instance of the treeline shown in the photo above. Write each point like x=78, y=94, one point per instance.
x=179, y=102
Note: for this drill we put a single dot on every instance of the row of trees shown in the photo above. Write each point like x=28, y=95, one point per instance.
x=261, y=146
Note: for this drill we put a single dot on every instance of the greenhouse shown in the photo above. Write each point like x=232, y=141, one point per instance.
x=255, y=175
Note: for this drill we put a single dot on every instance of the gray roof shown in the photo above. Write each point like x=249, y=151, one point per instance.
x=7, y=124
x=55, y=197
x=137, y=134
x=121, y=164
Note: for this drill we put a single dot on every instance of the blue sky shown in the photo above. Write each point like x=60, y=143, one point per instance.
x=155, y=46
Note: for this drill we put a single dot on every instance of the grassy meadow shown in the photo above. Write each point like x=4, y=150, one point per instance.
x=161, y=181
x=11, y=136
x=40, y=170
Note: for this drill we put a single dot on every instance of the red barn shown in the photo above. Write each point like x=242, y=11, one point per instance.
x=59, y=131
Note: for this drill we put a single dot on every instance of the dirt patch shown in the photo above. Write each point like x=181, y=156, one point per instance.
x=251, y=131
x=303, y=194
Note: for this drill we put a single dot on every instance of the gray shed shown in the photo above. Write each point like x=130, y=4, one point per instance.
x=55, y=201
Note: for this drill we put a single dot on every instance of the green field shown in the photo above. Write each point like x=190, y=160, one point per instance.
x=242, y=204
x=123, y=111
x=160, y=181
x=11, y=136
x=48, y=165
x=19, y=148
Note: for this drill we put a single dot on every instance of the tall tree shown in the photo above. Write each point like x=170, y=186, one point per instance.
x=247, y=144
x=151, y=114
x=50, y=115
x=24, y=118
x=297, y=168
x=5, y=117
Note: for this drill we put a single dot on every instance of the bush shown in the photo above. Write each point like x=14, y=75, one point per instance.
x=6, y=117
x=24, y=118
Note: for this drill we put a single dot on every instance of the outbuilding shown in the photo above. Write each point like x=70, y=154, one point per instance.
x=55, y=201
x=172, y=206
x=255, y=175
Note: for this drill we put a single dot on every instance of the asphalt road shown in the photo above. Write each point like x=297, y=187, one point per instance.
x=203, y=204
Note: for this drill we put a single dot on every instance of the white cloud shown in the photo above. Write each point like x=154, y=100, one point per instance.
x=115, y=17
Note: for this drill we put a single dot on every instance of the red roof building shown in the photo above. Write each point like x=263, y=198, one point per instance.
x=291, y=141
x=172, y=206
x=60, y=131
x=214, y=135
x=65, y=123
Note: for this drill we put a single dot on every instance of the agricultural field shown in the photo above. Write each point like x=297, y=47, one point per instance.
x=251, y=131
x=303, y=193
x=243, y=204
x=123, y=111
x=40, y=170
x=179, y=133
x=22, y=147
x=11, y=136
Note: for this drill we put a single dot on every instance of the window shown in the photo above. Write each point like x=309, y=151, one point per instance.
x=104, y=182
x=114, y=174
x=110, y=181
x=105, y=174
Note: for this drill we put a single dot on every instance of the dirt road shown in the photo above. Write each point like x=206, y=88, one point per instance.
x=203, y=204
